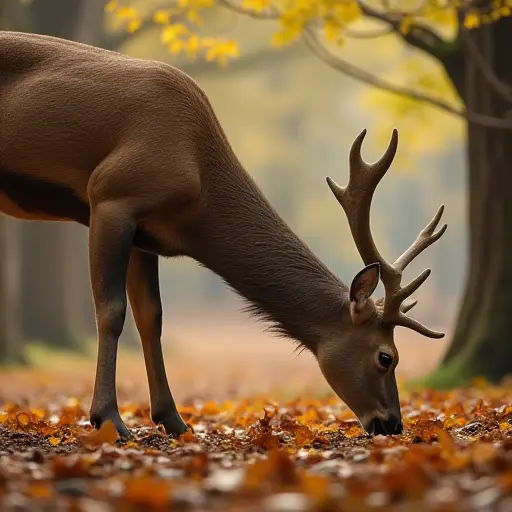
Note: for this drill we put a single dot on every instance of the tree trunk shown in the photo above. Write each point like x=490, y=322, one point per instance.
x=481, y=345
x=11, y=348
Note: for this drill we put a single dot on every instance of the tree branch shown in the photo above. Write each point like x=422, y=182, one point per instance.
x=267, y=57
x=269, y=14
x=367, y=34
x=364, y=76
x=116, y=40
x=418, y=36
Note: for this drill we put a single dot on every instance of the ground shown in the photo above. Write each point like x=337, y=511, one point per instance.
x=266, y=435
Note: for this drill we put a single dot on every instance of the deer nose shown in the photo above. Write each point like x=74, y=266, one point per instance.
x=391, y=426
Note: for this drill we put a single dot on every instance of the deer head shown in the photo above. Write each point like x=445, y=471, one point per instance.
x=360, y=362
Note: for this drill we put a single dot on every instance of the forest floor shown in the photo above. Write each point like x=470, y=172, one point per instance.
x=266, y=436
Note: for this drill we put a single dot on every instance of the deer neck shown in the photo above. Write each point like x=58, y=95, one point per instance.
x=244, y=240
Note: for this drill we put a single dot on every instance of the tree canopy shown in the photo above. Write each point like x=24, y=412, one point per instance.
x=334, y=30
x=324, y=22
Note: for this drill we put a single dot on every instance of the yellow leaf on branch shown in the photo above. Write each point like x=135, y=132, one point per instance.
x=162, y=17
x=126, y=13
x=255, y=5
x=175, y=46
x=347, y=12
x=471, y=20
x=111, y=6
x=405, y=25
x=332, y=30
x=133, y=25
x=171, y=32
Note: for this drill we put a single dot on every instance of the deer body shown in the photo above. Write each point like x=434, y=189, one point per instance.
x=133, y=149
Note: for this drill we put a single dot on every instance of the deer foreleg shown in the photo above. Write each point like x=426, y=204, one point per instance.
x=111, y=235
x=144, y=294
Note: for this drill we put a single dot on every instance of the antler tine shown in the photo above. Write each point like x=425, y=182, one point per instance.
x=385, y=161
x=408, y=305
x=396, y=296
x=356, y=199
x=406, y=321
x=361, y=171
x=337, y=190
x=356, y=164
x=355, y=159
x=425, y=239
x=394, y=309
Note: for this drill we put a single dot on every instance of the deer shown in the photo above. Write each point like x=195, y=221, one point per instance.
x=133, y=150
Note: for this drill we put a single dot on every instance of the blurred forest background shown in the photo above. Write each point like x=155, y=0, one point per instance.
x=291, y=118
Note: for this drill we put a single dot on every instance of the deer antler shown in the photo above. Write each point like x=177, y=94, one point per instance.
x=356, y=200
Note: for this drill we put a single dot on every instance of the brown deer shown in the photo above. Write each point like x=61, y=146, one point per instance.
x=133, y=149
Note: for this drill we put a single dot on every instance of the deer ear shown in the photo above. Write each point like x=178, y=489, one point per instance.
x=361, y=289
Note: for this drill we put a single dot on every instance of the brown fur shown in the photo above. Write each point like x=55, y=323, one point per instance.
x=133, y=149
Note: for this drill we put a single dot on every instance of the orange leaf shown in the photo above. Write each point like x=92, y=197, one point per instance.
x=455, y=421
x=310, y=416
x=68, y=418
x=187, y=437
x=354, y=431
x=304, y=436
x=149, y=491
x=505, y=481
x=266, y=440
x=23, y=420
x=210, y=409
x=106, y=434
x=37, y=412
x=71, y=467
x=315, y=485
x=278, y=470
x=446, y=441
x=483, y=454
x=197, y=468
x=39, y=491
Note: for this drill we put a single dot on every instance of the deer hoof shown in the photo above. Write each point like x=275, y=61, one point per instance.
x=172, y=422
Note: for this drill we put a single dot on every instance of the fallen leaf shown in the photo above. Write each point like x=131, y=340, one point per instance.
x=354, y=431
x=147, y=491
x=316, y=486
x=107, y=433
x=71, y=467
x=23, y=420
x=187, y=437
x=262, y=452
x=39, y=491
x=483, y=455
x=267, y=440
x=210, y=409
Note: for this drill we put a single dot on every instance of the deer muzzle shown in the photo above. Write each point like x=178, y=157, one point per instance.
x=391, y=426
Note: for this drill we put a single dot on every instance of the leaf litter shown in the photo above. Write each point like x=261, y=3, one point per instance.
x=455, y=454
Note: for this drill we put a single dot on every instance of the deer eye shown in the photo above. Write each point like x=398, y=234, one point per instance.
x=385, y=360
